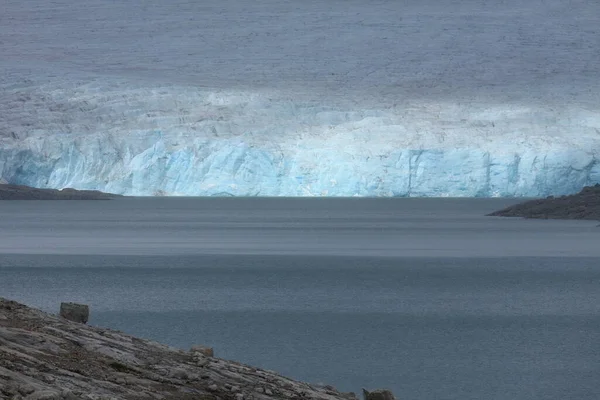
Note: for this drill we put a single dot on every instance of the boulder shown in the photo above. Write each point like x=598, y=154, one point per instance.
x=75, y=312
x=378, y=394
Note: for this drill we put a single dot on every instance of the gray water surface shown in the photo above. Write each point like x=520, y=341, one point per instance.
x=425, y=296
x=314, y=226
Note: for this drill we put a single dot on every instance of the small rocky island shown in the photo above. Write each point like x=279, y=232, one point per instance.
x=583, y=205
x=20, y=192
x=49, y=357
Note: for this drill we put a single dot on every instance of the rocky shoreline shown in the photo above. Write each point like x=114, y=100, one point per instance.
x=20, y=192
x=583, y=205
x=47, y=357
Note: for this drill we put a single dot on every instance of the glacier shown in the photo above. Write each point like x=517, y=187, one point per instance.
x=178, y=141
x=301, y=98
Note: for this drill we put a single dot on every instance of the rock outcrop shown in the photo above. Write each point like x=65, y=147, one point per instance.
x=20, y=192
x=45, y=357
x=583, y=205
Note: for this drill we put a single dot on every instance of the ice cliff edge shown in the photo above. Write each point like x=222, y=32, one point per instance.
x=183, y=141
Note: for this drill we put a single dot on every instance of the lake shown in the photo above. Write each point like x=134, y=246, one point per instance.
x=427, y=297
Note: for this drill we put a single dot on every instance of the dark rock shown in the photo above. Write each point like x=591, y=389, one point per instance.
x=75, y=312
x=378, y=394
x=21, y=192
x=583, y=205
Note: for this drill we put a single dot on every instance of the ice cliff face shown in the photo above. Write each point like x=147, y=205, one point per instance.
x=301, y=98
x=182, y=141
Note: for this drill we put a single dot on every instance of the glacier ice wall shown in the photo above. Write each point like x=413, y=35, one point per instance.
x=184, y=141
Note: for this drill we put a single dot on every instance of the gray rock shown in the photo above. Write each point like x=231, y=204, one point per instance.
x=378, y=394
x=201, y=362
x=26, y=389
x=178, y=373
x=44, y=395
x=10, y=389
x=75, y=312
x=68, y=395
x=100, y=364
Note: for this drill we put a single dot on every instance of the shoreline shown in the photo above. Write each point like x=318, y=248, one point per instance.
x=44, y=356
x=584, y=205
x=22, y=192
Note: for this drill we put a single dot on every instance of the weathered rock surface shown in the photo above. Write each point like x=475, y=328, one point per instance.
x=19, y=192
x=46, y=357
x=75, y=312
x=583, y=205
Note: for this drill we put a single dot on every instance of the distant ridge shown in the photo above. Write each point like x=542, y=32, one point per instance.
x=583, y=205
x=20, y=192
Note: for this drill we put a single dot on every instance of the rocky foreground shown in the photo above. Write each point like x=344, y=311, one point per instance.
x=46, y=357
x=583, y=205
x=20, y=192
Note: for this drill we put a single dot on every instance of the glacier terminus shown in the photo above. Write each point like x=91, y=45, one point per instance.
x=334, y=98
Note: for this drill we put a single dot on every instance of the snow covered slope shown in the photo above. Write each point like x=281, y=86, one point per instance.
x=334, y=98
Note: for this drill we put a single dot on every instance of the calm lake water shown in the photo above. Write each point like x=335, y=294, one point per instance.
x=425, y=296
